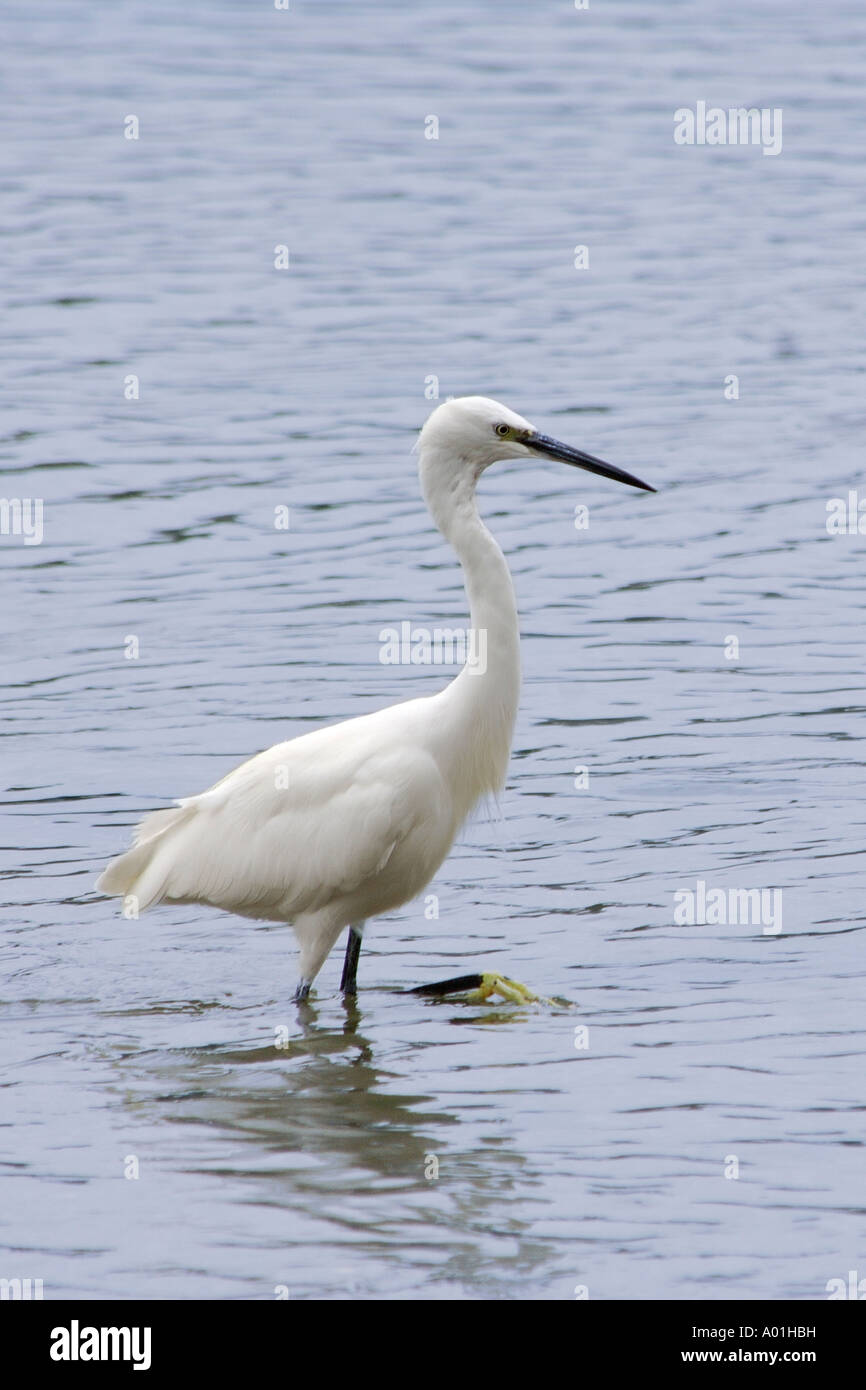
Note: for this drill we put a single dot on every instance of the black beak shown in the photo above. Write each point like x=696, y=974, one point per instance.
x=543, y=444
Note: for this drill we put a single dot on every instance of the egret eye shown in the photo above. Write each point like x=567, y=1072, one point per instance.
x=502, y=430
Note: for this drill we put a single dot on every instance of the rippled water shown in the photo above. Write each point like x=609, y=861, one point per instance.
x=308, y=1166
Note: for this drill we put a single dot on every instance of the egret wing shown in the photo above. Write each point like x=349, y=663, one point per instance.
x=290, y=830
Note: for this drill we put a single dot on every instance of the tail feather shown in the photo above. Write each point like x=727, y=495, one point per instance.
x=157, y=822
x=142, y=872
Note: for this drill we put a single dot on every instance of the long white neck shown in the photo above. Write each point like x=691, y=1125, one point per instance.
x=479, y=707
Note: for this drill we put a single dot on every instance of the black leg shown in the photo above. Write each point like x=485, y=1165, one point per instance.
x=349, y=982
x=455, y=986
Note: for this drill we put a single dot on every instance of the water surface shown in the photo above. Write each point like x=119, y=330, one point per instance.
x=306, y=1167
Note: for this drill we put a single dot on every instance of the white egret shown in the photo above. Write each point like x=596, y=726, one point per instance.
x=331, y=828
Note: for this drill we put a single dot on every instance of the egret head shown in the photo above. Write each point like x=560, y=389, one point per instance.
x=474, y=431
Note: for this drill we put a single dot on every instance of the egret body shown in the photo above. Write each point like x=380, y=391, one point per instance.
x=329, y=829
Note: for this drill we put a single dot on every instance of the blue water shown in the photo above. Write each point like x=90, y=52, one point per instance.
x=306, y=1168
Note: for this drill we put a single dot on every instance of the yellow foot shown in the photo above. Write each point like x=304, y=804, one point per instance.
x=512, y=990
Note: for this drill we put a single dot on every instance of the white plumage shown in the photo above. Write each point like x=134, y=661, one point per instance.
x=353, y=820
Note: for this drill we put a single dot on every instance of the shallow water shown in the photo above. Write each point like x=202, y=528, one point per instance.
x=307, y=1166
